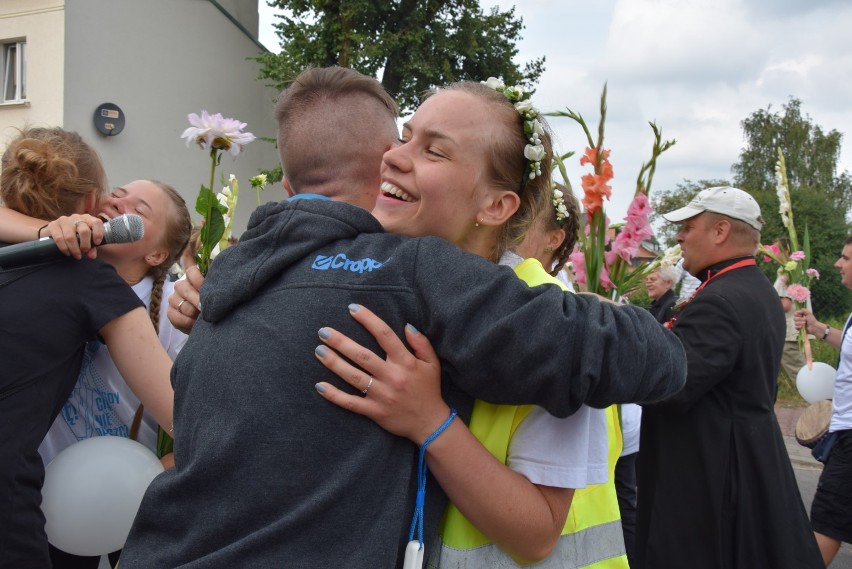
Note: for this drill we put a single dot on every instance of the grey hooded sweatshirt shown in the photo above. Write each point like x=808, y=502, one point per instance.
x=269, y=474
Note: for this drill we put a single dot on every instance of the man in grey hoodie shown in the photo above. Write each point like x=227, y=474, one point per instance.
x=267, y=473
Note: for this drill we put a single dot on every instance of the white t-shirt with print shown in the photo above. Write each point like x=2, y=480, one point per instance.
x=101, y=402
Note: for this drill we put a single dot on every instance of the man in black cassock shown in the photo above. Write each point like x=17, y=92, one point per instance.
x=716, y=487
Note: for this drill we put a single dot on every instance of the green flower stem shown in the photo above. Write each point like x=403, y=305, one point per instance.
x=213, y=154
x=165, y=443
x=206, y=248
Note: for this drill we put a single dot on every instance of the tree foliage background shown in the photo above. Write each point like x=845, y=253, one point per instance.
x=821, y=196
x=411, y=45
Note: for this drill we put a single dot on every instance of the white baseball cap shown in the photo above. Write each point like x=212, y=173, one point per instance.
x=726, y=200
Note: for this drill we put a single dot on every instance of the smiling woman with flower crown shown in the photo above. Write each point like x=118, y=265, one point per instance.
x=473, y=167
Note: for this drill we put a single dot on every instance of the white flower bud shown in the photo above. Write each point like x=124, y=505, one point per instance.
x=494, y=83
x=534, y=153
x=524, y=106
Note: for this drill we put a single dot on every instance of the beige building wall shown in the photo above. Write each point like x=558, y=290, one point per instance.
x=158, y=60
x=42, y=24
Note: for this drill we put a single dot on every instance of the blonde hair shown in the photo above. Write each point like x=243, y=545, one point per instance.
x=47, y=172
x=178, y=225
x=571, y=225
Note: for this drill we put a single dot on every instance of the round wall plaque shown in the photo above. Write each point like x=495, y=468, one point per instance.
x=109, y=119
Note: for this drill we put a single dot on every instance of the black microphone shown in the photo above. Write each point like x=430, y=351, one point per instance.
x=122, y=229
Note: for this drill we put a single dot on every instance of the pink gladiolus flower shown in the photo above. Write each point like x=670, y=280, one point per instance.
x=774, y=249
x=639, y=207
x=641, y=231
x=605, y=280
x=610, y=256
x=578, y=262
x=797, y=256
x=813, y=273
x=799, y=293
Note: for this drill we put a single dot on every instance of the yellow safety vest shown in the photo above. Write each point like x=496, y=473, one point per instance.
x=592, y=536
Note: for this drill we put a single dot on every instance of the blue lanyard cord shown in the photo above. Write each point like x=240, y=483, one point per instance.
x=417, y=519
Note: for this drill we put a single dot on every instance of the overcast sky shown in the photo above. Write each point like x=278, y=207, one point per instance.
x=696, y=67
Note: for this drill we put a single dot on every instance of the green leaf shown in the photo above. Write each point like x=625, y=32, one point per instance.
x=213, y=229
x=204, y=201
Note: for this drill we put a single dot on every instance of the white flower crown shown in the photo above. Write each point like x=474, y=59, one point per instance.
x=533, y=129
x=559, y=204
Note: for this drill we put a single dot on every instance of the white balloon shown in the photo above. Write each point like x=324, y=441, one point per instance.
x=92, y=491
x=816, y=384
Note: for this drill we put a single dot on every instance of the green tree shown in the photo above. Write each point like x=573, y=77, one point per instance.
x=820, y=196
x=414, y=45
x=670, y=200
x=811, y=155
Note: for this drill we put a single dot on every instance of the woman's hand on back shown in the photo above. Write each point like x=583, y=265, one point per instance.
x=401, y=393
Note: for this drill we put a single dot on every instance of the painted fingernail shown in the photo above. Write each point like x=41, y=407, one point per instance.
x=354, y=307
x=324, y=333
x=319, y=387
x=412, y=329
x=321, y=351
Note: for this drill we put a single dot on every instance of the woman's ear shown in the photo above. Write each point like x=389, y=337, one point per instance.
x=499, y=207
x=156, y=258
x=556, y=238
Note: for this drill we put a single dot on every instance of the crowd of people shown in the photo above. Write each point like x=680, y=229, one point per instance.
x=378, y=378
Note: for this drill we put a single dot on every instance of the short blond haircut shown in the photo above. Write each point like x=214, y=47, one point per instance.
x=331, y=118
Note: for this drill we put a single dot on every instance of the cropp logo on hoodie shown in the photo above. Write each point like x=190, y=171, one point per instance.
x=341, y=261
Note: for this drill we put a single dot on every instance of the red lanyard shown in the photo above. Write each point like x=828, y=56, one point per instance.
x=738, y=265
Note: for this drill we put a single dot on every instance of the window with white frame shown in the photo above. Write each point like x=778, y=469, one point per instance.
x=13, y=64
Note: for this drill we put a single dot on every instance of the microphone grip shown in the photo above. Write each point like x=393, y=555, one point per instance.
x=123, y=229
x=43, y=249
